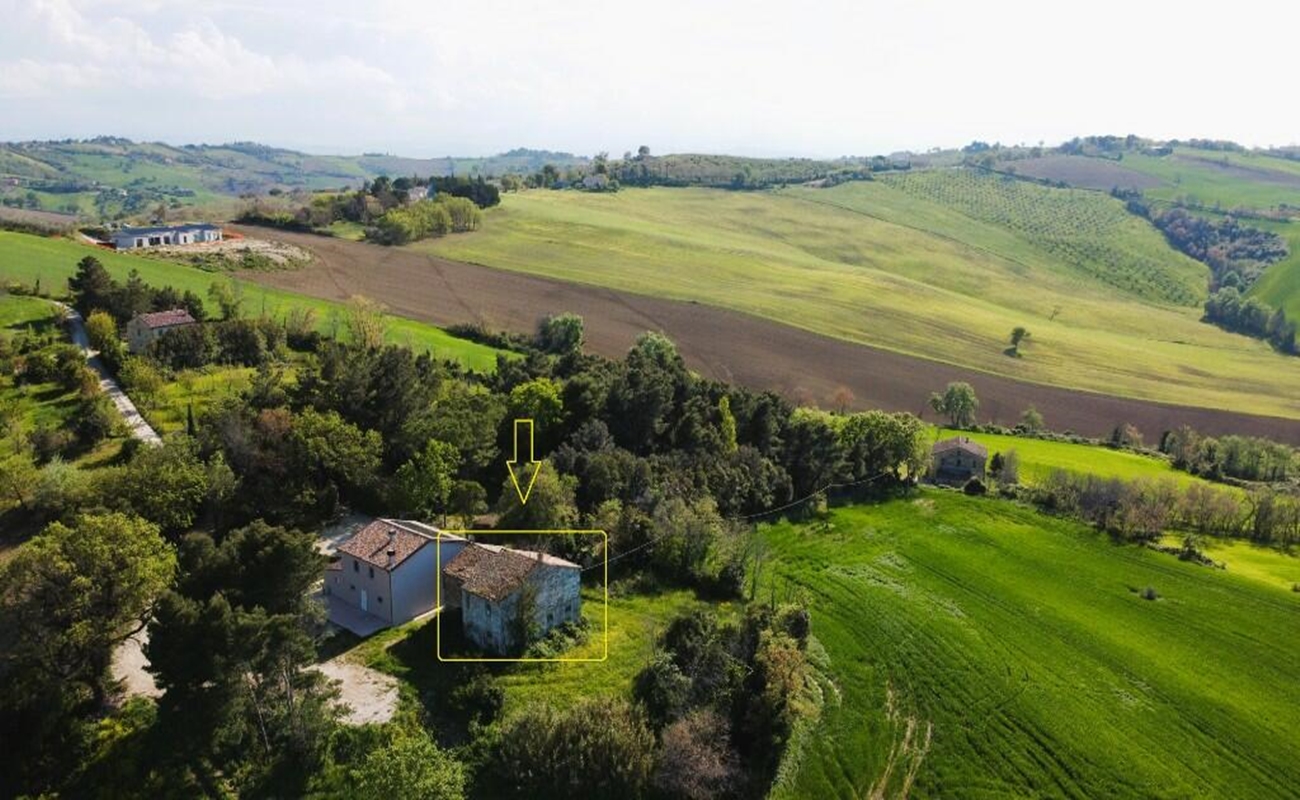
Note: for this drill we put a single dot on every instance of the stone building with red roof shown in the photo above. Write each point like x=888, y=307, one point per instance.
x=144, y=329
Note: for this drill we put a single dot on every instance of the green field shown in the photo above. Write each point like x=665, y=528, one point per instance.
x=1039, y=457
x=871, y=263
x=26, y=258
x=1231, y=180
x=1023, y=641
x=1279, y=286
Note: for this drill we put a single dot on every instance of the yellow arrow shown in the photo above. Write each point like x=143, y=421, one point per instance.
x=513, y=463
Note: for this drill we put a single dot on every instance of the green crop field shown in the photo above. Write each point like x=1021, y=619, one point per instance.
x=26, y=258
x=871, y=263
x=1229, y=179
x=1090, y=232
x=1021, y=646
x=1279, y=286
x=1039, y=457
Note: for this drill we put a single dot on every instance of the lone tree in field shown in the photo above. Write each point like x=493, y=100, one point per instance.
x=1032, y=419
x=1018, y=335
x=958, y=403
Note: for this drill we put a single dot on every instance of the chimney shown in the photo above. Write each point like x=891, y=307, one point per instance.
x=539, y=556
x=392, y=555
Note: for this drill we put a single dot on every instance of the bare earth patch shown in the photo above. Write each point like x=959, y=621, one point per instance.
x=240, y=252
x=368, y=695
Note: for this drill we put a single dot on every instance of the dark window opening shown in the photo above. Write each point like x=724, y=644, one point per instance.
x=380, y=598
x=355, y=566
x=372, y=571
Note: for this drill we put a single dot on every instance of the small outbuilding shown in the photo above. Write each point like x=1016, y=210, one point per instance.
x=955, y=461
x=494, y=588
x=144, y=329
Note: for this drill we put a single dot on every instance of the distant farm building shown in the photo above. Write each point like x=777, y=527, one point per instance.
x=144, y=329
x=387, y=570
x=955, y=461
x=494, y=586
x=133, y=238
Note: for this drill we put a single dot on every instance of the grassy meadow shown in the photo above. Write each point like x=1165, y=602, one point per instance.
x=1019, y=649
x=26, y=258
x=635, y=622
x=1040, y=457
x=871, y=263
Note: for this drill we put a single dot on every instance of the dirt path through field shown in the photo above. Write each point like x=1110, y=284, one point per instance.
x=721, y=344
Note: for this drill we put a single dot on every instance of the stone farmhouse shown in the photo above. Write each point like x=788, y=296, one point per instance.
x=489, y=585
x=955, y=461
x=144, y=329
x=387, y=574
x=194, y=233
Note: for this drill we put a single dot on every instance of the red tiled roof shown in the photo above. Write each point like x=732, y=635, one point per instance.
x=960, y=443
x=372, y=543
x=167, y=319
x=490, y=572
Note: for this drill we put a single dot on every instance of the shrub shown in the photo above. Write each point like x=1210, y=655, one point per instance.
x=974, y=487
x=481, y=699
x=696, y=760
x=602, y=745
x=1149, y=593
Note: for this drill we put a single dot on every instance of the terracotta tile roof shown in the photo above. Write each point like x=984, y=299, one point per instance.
x=960, y=443
x=490, y=572
x=372, y=543
x=166, y=319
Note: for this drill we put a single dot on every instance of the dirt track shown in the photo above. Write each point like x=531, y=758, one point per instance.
x=716, y=342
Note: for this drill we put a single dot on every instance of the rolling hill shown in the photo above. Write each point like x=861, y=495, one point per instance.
x=108, y=176
x=904, y=264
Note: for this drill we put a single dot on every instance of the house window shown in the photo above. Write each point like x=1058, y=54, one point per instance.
x=372, y=571
x=352, y=587
x=380, y=598
x=356, y=567
x=550, y=618
x=568, y=608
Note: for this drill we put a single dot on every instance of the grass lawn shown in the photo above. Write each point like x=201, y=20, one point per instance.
x=26, y=258
x=1038, y=458
x=346, y=229
x=1021, y=643
x=912, y=270
x=635, y=621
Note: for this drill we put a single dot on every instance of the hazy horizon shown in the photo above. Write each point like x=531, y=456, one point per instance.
x=751, y=79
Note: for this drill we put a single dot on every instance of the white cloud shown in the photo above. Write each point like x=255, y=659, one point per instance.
x=750, y=76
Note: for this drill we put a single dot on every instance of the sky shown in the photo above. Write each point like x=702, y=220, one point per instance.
x=748, y=77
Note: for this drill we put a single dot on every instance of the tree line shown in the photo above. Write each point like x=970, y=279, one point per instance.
x=1236, y=255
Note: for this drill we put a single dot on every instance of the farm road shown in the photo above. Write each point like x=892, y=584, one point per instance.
x=718, y=343
x=135, y=423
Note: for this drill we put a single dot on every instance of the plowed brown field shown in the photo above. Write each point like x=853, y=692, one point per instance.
x=722, y=344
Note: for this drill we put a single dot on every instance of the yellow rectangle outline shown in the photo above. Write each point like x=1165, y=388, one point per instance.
x=556, y=531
